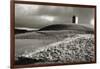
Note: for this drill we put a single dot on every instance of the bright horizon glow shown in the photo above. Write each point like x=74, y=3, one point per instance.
x=49, y=18
x=25, y=28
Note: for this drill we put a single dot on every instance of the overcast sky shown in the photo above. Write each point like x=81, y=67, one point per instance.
x=37, y=16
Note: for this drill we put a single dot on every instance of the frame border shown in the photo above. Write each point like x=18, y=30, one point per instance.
x=12, y=37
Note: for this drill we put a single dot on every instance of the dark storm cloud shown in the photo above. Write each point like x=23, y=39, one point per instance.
x=37, y=16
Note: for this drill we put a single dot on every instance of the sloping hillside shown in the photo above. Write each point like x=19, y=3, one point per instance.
x=79, y=48
x=67, y=27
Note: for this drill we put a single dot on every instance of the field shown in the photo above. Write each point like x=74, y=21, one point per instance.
x=44, y=47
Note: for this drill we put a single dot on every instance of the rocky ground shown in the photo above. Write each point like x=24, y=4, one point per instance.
x=74, y=49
